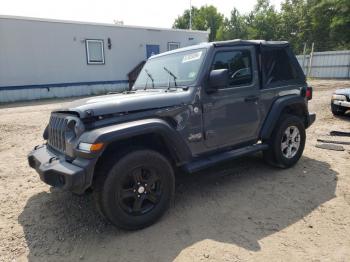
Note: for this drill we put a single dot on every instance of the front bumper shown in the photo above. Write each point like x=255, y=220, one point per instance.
x=341, y=103
x=56, y=171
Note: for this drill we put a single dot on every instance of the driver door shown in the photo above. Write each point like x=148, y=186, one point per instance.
x=231, y=114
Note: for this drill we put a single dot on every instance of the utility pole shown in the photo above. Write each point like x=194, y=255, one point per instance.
x=304, y=55
x=190, y=15
x=310, y=63
x=349, y=69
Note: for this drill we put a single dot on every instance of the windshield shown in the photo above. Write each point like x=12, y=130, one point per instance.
x=177, y=69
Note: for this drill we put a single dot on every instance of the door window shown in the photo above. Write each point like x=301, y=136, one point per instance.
x=239, y=65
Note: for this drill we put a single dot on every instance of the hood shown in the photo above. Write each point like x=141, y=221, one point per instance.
x=343, y=91
x=127, y=102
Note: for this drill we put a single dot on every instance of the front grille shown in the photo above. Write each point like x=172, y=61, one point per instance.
x=57, y=128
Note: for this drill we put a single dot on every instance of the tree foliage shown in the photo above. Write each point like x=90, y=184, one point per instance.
x=324, y=22
x=204, y=18
x=263, y=21
x=234, y=27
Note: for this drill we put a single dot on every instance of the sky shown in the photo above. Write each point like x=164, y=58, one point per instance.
x=155, y=13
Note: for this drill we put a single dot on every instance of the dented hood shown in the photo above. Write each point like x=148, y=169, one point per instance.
x=127, y=102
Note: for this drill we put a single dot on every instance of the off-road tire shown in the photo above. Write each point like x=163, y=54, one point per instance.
x=109, y=184
x=274, y=155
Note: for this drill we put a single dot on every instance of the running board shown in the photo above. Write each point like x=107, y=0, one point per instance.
x=208, y=161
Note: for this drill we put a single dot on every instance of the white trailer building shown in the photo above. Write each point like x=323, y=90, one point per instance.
x=42, y=58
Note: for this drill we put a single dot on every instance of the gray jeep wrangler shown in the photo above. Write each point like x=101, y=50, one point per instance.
x=189, y=109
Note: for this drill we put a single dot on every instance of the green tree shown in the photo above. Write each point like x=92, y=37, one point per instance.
x=233, y=28
x=204, y=18
x=330, y=24
x=323, y=22
x=321, y=19
x=183, y=21
x=264, y=22
x=295, y=24
x=340, y=24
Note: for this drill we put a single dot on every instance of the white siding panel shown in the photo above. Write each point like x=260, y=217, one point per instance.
x=43, y=52
x=57, y=92
x=38, y=52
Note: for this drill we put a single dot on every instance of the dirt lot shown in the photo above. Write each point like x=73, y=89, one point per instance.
x=240, y=211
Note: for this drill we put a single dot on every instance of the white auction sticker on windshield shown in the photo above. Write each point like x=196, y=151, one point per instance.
x=192, y=57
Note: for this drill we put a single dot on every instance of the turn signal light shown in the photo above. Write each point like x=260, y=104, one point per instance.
x=90, y=147
x=96, y=147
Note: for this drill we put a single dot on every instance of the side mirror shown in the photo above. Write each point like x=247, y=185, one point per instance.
x=218, y=79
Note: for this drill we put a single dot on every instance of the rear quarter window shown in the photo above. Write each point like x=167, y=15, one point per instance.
x=277, y=67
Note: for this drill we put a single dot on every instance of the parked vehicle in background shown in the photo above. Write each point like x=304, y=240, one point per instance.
x=340, y=102
x=189, y=108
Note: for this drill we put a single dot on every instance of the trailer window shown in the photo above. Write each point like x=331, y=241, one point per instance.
x=173, y=45
x=94, y=51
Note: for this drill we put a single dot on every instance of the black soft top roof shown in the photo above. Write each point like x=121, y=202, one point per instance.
x=235, y=42
x=251, y=42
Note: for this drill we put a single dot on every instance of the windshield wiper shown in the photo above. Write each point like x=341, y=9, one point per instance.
x=170, y=73
x=150, y=77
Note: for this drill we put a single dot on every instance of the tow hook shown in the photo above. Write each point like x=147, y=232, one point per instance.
x=53, y=159
x=38, y=146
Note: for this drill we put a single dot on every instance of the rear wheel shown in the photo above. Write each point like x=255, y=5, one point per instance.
x=287, y=142
x=137, y=190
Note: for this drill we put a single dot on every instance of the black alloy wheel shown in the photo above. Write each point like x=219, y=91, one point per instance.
x=136, y=189
x=140, y=191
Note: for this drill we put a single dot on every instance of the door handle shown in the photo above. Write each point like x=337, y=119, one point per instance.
x=251, y=99
x=209, y=134
x=208, y=106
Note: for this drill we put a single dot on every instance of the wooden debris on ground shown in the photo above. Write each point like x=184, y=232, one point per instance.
x=333, y=141
x=331, y=147
x=339, y=133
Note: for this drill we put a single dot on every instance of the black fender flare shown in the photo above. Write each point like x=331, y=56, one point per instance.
x=173, y=141
x=276, y=110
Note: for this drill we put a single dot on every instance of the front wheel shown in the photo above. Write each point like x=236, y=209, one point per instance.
x=287, y=142
x=137, y=190
x=337, y=110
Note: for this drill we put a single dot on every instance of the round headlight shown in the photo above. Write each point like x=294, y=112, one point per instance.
x=71, y=124
x=70, y=130
x=79, y=128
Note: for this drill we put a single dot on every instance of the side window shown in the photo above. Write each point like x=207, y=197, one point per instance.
x=173, y=46
x=277, y=66
x=239, y=66
x=94, y=51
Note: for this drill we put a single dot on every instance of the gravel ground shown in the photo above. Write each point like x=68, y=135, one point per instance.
x=239, y=211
